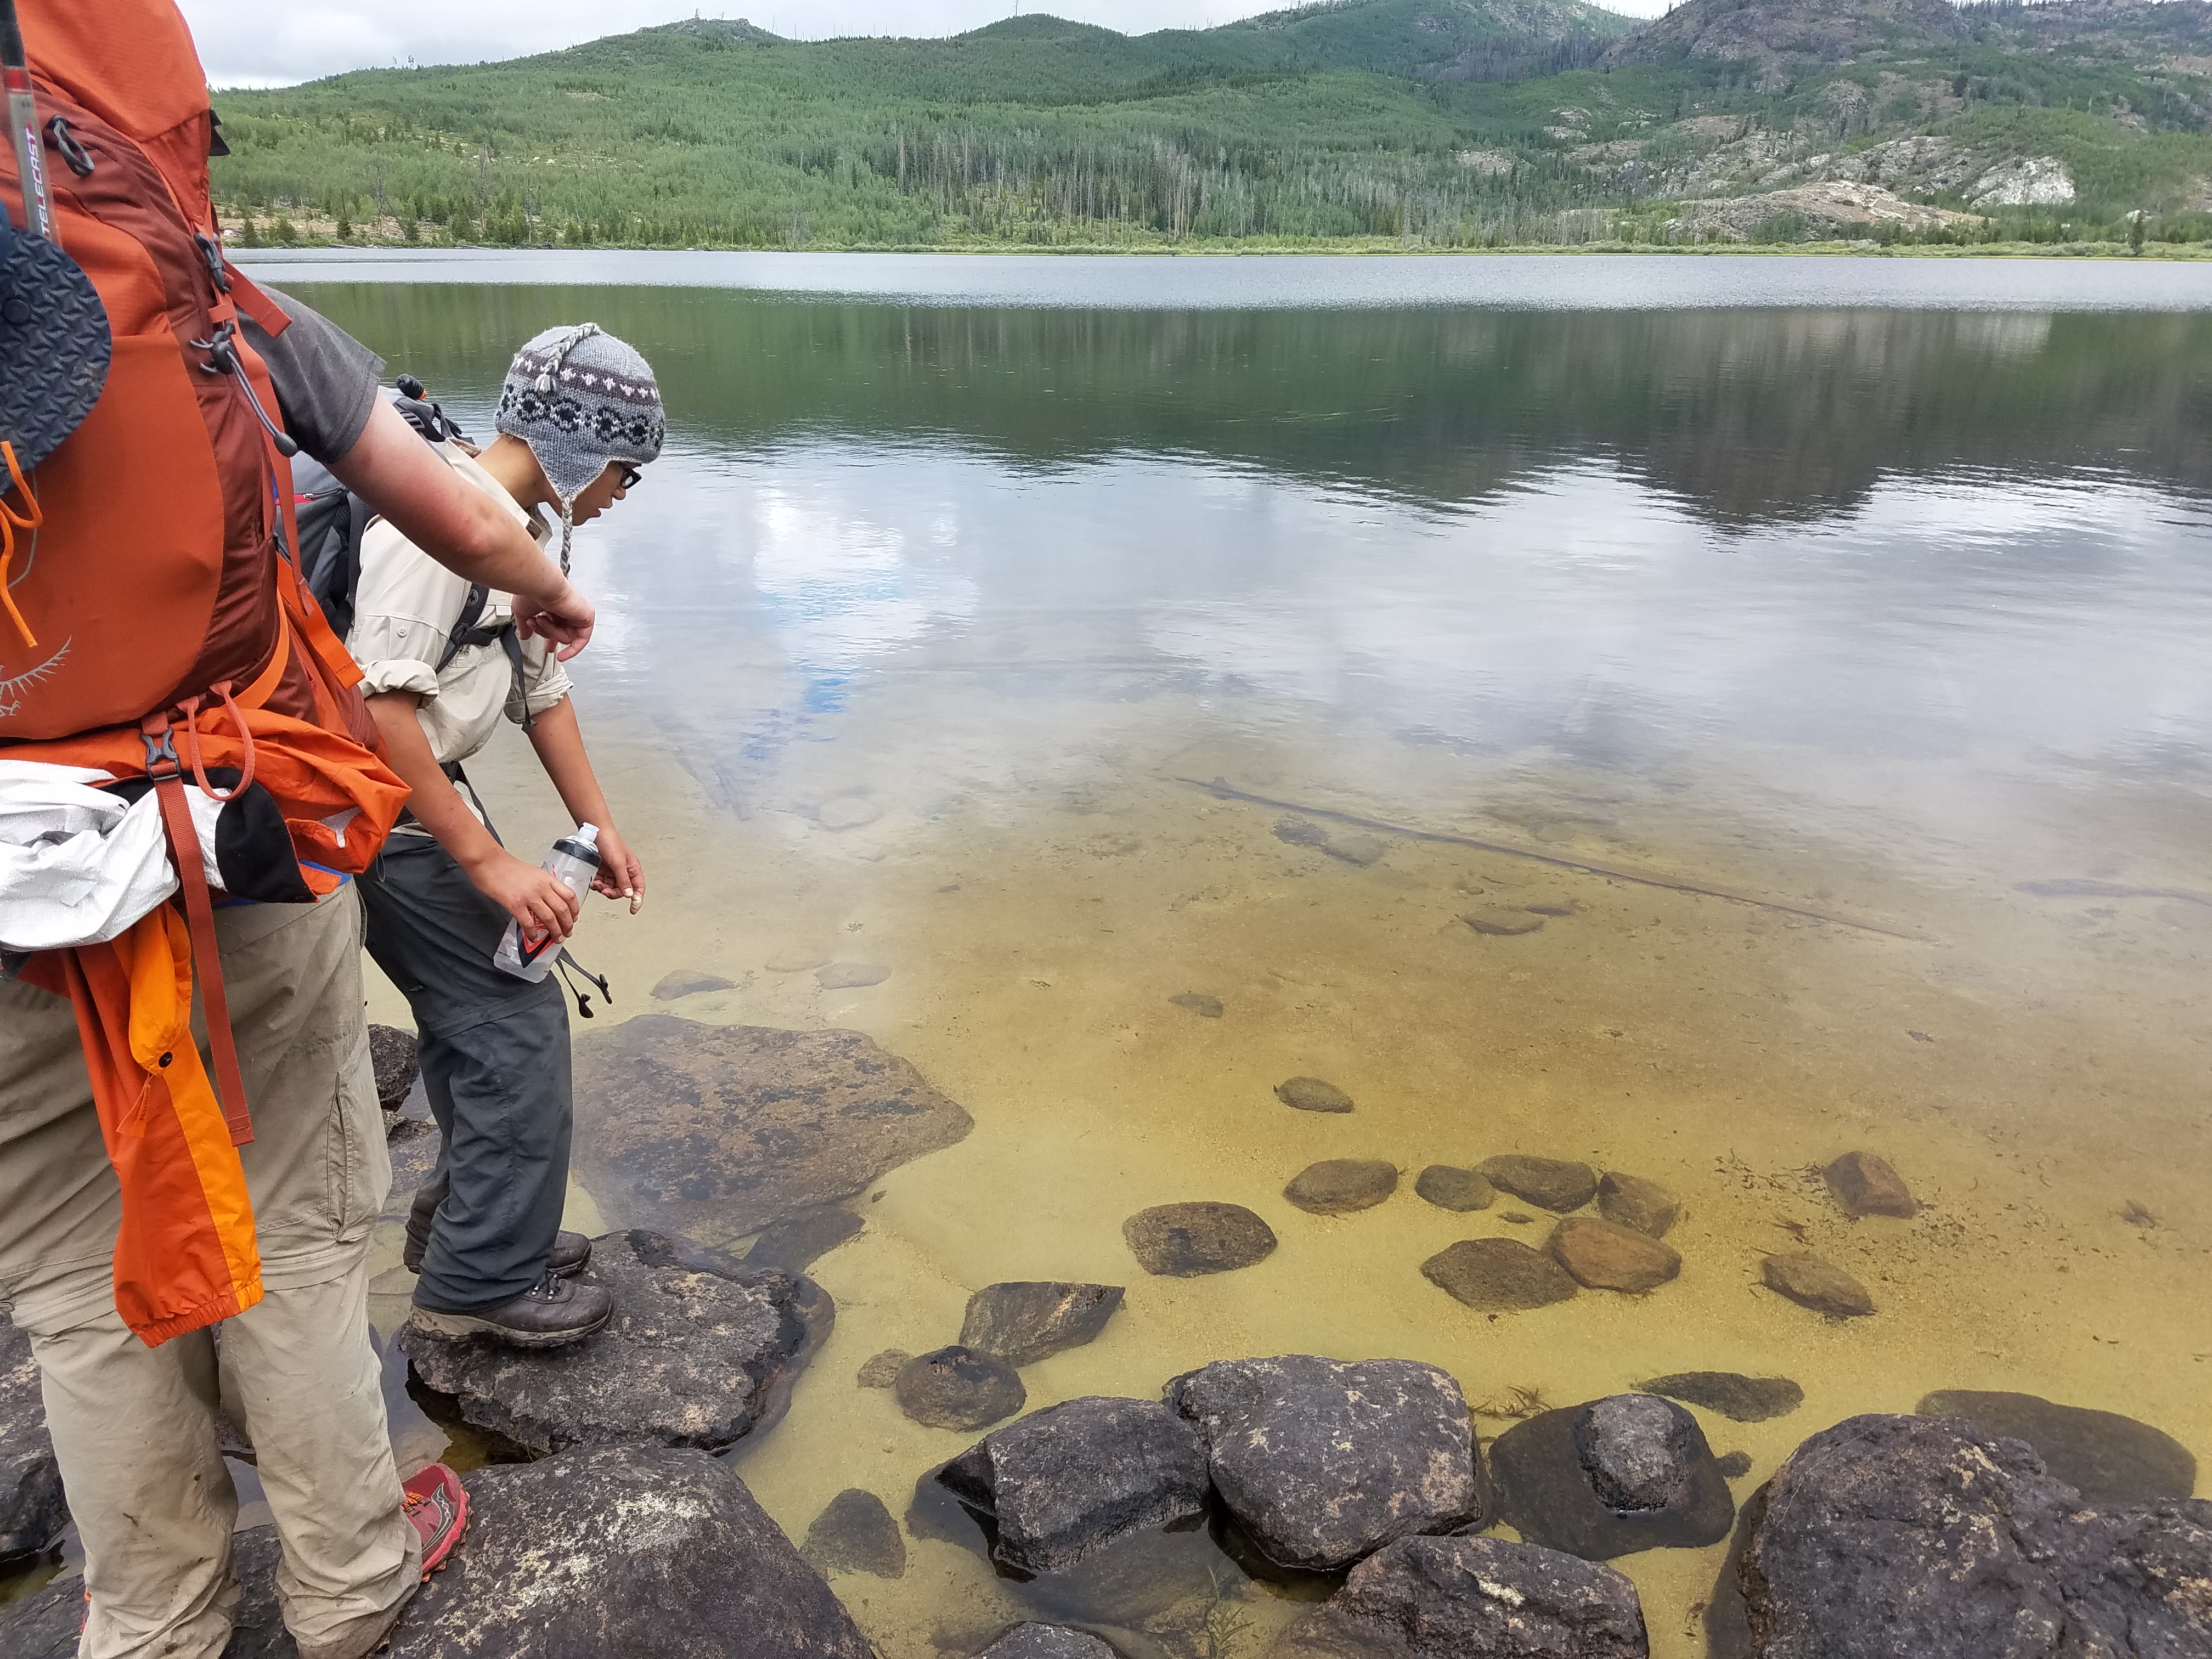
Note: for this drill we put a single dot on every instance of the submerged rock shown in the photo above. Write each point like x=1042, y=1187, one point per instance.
x=847, y=812
x=647, y=1553
x=796, y=959
x=1499, y=923
x=881, y=1370
x=1865, y=1184
x=1498, y=1275
x=689, y=982
x=1562, y=1477
x=856, y=1534
x=1356, y=849
x=1066, y=1482
x=1199, y=1003
x=1628, y=1201
x=1300, y=832
x=1739, y=1398
x=1023, y=1323
x=1473, y=1598
x=32, y=1508
x=392, y=1057
x=1182, y=1241
x=1450, y=1189
x=795, y=1243
x=718, y=1131
x=850, y=975
x=1313, y=1094
x=1893, y=1535
x=1046, y=1641
x=953, y=1388
x=1323, y=1462
x=693, y=1356
x=1734, y=1465
x=1813, y=1282
x=1604, y=1257
x=1339, y=1186
x=1639, y=1451
x=2106, y=1457
x=1552, y=1183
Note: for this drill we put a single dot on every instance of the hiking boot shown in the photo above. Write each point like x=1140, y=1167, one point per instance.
x=438, y=1507
x=572, y=1253
x=552, y=1312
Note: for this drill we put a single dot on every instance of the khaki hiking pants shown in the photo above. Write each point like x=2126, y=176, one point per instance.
x=134, y=1427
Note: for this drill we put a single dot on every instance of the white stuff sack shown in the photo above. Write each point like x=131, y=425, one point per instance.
x=77, y=865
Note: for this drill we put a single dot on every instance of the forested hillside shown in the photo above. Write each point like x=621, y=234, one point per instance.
x=1428, y=122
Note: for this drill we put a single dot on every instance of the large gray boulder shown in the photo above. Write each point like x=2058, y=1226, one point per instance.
x=1046, y=1641
x=2106, y=1457
x=1322, y=1463
x=1892, y=1535
x=1473, y=1598
x=718, y=1131
x=32, y=1510
x=1065, y=1482
x=647, y=1553
x=698, y=1353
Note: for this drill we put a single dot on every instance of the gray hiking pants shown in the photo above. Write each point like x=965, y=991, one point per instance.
x=495, y=1054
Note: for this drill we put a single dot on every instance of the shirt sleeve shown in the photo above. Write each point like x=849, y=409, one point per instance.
x=325, y=379
x=404, y=608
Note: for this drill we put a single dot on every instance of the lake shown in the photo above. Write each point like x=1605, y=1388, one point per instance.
x=1812, y=650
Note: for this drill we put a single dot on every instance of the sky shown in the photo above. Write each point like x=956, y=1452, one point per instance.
x=273, y=42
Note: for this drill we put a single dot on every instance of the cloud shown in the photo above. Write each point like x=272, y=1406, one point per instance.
x=273, y=42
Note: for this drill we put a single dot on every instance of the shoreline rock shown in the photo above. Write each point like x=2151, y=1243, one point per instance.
x=1547, y=1492
x=1184, y=1241
x=1312, y=1094
x=1451, y=1189
x=1322, y=1463
x=1739, y=1398
x=1342, y=1185
x=2106, y=1457
x=33, y=1510
x=1549, y=1183
x=1814, y=1282
x=855, y=1534
x=1864, y=1183
x=1603, y=1257
x=1023, y=1322
x=955, y=1388
x=1498, y=1275
x=1628, y=1201
x=695, y=1355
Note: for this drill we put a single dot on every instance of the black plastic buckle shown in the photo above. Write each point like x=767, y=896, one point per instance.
x=211, y=252
x=162, y=760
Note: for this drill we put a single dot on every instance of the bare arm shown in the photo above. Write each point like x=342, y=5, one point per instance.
x=528, y=894
x=559, y=741
x=398, y=475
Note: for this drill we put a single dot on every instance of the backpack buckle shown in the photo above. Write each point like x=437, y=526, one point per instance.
x=162, y=760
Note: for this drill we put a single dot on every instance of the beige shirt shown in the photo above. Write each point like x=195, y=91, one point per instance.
x=407, y=608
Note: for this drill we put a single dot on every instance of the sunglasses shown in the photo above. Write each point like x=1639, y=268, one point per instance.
x=630, y=477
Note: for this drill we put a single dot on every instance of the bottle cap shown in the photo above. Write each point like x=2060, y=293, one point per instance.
x=588, y=834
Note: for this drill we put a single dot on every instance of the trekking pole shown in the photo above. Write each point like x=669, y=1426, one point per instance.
x=23, y=125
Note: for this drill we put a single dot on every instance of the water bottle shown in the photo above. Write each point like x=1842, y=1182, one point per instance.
x=529, y=954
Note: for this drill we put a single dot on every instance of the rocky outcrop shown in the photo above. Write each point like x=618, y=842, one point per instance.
x=1182, y=1241
x=650, y=1553
x=1022, y=1324
x=1778, y=40
x=1890, y=1535
x=1066, y=1482
x=695, y=1355
x=2024, y=181
x=1473, y=1598
x=32, y=1510
x=958, y=1388
x=718, y=1131
x=1321, y=1462
x=1617, y=1476
x=1831, y=209
x=2106, y=1457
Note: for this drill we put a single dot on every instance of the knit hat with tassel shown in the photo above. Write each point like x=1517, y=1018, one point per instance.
x=580, y=399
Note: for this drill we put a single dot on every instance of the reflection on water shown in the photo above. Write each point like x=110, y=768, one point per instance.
x=1038, y=655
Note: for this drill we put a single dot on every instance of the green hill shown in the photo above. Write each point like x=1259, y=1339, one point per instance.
x=1430, y=123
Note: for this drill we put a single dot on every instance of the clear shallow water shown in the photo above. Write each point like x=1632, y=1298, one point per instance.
x=1872, y=608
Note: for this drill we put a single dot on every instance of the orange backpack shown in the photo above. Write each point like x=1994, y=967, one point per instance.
x=172, y=635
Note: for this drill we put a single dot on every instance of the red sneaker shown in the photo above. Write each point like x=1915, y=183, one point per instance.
x=438, y=1504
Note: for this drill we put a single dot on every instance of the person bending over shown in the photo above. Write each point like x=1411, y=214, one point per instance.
x=579, y=414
